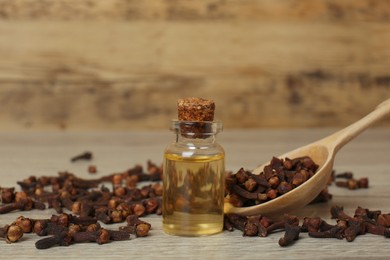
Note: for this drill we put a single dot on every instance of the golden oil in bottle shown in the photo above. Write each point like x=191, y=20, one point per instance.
x=193, y=194
x=193, y=181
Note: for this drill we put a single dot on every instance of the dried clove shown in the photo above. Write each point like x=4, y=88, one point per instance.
x=344, y=175
x=101, y=236
x=138, y=209
x=252, y=226
x=136, y=226
x=311, y=224
x=250, y=184
x=338, y=213
x=54, y=202
x=25, y=223
x=11, y=233
x=355, y=227
x=237, y=221
x=249, y=195
x=118, y=235
x=23, y=204
x=92, y=169
x=83, y=156
x=278, y=225
x=227, y=225
x=377, y=229
x=61, y=239
x=73, y=229
x=384, y=220
x=93, y=227
x=44, y=227
x=353, y=184
x=315, y=224
x=152, y=205
x=334, y=232
x=291, y=234
x=7, y=195
x=265, y=231
x=65, y=219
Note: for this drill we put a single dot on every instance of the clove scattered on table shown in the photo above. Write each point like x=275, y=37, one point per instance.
x=84, y=156
x=90, y=202
x=348, y=227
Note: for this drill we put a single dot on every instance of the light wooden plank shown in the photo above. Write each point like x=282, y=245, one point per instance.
x=90, y=81
x=109, y=50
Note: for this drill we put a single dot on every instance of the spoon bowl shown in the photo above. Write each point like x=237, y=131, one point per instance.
x=323, y=153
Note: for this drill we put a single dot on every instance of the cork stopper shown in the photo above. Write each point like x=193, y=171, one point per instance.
x=195, y=109
x=195, y=117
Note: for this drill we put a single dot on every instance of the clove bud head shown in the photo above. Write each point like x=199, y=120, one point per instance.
x=14, y=233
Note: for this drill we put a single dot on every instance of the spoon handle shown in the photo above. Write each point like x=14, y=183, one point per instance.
x=342, y=137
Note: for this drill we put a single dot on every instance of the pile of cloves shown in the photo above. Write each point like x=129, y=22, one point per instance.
x=67, y=229
x=348, y=227
x=89, y=197
x=277, y=178
x=90, y=202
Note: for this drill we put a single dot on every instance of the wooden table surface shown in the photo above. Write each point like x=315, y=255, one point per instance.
x=46, y=153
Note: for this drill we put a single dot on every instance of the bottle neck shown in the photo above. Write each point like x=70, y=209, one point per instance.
x=200, y=139
x=196, y=132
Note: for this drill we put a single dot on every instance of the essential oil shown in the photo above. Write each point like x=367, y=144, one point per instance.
x=193, y=194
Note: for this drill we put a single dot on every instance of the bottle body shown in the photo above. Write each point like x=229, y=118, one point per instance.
x=193, y=185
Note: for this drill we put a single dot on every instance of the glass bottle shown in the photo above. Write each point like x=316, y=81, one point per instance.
x=193, y=180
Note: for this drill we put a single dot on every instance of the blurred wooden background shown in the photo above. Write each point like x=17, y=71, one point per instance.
x=122, y=64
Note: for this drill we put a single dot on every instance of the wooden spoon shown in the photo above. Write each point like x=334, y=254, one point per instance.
x=323, y=153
